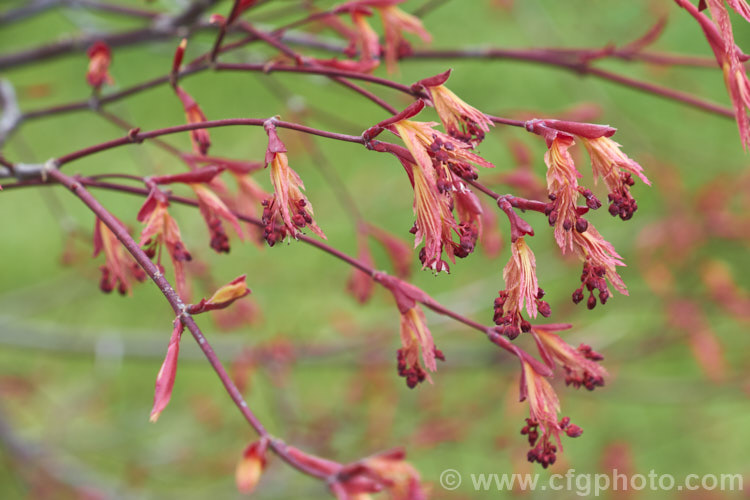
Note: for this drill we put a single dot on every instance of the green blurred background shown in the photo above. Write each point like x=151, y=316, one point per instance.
x=77, y=367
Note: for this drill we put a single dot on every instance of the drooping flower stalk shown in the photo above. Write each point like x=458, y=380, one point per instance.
x=542, y=427
x=214, y=211
x=437, y=178
x=418, y=352
x=581, y=365
x=119, y=269
x=459, y=119
x=616, y=170
x=200, y=138
x=600, y=261
x=572, y=232
x=289, y=210
x=161, y=231
x=728, y=55
x=521, y=291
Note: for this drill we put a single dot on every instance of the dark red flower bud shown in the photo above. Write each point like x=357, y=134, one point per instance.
x=573, y=431
x=591, y=303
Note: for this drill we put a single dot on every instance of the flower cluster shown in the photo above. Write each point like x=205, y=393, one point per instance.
x=438, y=167
x=161, y=231
x=460, y=120
x=289, y=210
x=521, y=291
x=119, y=269
x=385, y=471
x=364, y=41
x=416, y=339
x=580, y=364
x=718, y=32
x=542, y=427
x=572, y=231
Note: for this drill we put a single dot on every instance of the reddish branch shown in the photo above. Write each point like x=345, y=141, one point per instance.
x=581, y=67
x=136, y=136
x=577, y=64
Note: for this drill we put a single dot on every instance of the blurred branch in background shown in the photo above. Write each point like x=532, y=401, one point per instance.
x=46, y=470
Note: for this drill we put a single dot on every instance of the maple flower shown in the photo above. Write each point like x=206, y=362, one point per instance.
x=581, y=365
x=119, y=267
x=441, y=162
x=213, y=211
x=459, y=119
x=251, y=466
x=416, y=339
x=741, y=7
x=608, y=162
x=211, y=206
x=395, y=23
x=390, y=469
x=363, y=40
x=600, y=261
x=100, y=57
x=167, y=373
x=249, y=196
x=429, y=146
x=435, y=224
x=383, y=471
x=366, y=41
x=562, y=183
x=542, y=427
x=728, y=56
x=616, y=170
x=469, y=211
x=161, y=231
x=522, y=290
x=199, y=137
x=288, y=202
